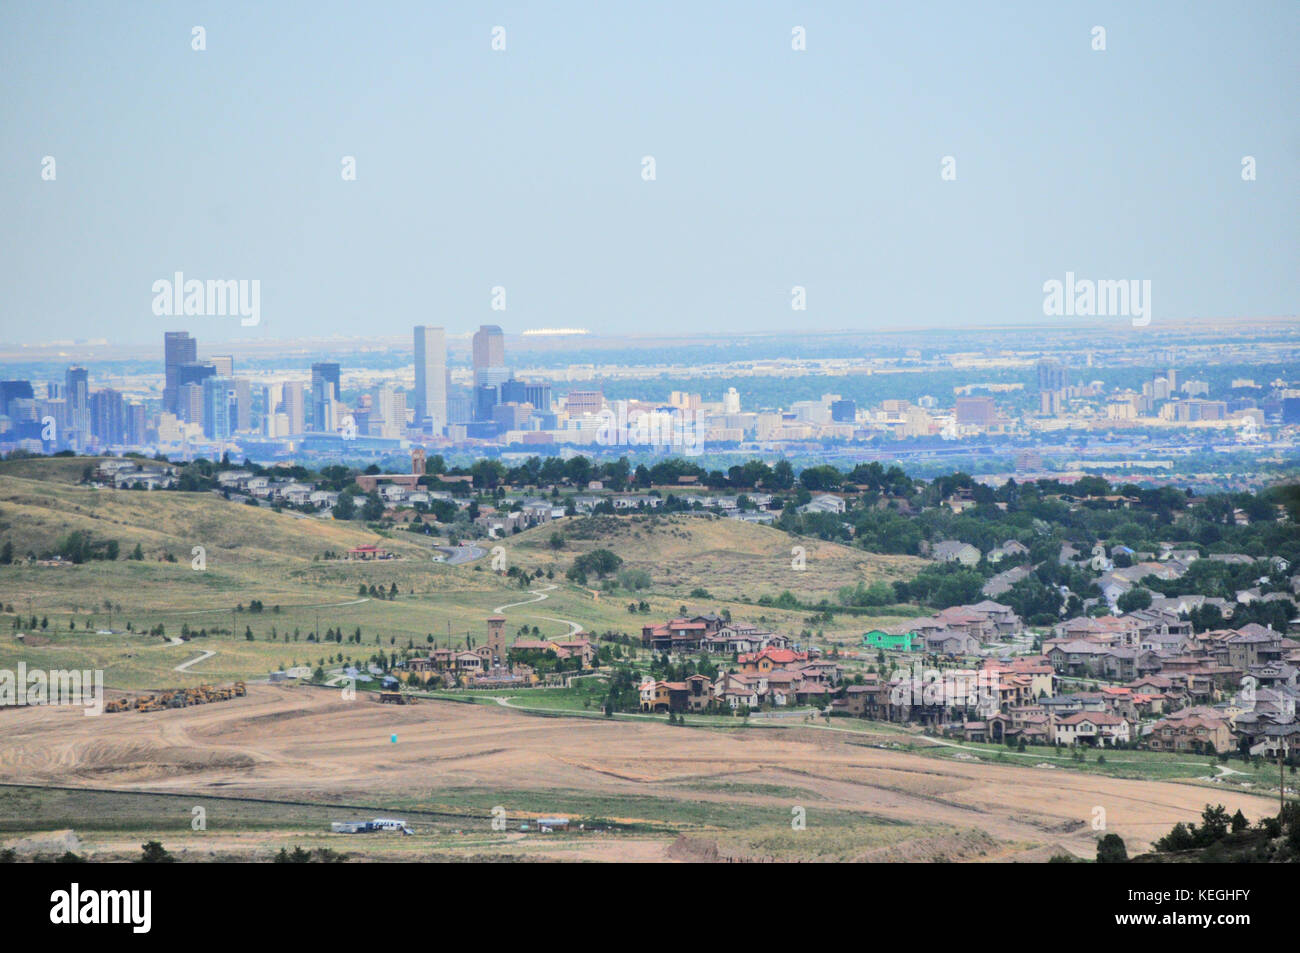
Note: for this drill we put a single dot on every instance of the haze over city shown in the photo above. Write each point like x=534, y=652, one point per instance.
x=522, y=168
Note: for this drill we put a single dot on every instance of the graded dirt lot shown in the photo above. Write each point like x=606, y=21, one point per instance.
x=687, y=791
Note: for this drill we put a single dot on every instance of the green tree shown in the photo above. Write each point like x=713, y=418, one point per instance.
x=153, y=852
x=1111, y=850
x=1134, y=599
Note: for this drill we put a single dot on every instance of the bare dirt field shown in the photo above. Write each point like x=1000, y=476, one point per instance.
x=691, y=793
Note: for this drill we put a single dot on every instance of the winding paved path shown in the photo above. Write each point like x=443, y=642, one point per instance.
x=201, y=657
x=541, y=593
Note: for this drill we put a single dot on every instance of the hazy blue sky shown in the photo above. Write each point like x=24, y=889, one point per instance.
x=523, y=168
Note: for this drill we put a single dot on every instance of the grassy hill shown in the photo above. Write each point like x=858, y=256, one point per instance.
x=729, y=558
x=83, y=611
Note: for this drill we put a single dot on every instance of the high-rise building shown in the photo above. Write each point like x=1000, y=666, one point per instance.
x=293, y=406
x=243, y=388
x=1051, y=375
x=843, y=411
x=189, y=403
x=218, y=408
x=486, y=396
x=178, y=348
x=322, y=405
x=430, y=378
x=14, y=390
x=135, y=425
x=224, y=363
x=326, y=371
x=107, y=420
x=539, y=395
x=489, y=355
x=392, y=412
x=77, y=393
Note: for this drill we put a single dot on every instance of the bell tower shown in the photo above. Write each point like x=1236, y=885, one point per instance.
x=496, y=639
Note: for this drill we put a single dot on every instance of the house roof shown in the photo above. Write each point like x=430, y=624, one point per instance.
x=1093, y=717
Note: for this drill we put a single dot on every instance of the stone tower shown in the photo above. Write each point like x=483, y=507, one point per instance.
x=417, y=461
x=496, y=639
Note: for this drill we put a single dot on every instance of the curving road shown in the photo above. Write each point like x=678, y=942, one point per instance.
x=459, y=555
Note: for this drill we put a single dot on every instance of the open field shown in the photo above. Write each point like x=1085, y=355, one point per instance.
x=668, y=791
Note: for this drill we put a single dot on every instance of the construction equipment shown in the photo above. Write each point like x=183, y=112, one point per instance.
x=167, y=698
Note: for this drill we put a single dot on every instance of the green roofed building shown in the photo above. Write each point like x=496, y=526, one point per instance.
x=907, y=642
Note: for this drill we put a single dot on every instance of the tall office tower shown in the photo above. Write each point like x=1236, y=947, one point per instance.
x=271, y=395
x=189, y=403
x=107, y=417
x=135, y=424
x=243, y=404
x=731, y=401
x=178, y=348
x=430, y=378
x=322, y=406
x=485, y=398
x=14, y=390
x=326, y=371
x=293, y=406
x=218, y=415
x=224, y=363
x=489, y=354
x=391, y=412
x=1172, y=377
x=57, y=408
x=1051, y=375
x=77, y=390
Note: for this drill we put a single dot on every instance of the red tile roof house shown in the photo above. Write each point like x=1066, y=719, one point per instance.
x=1095, y=728
x=823, y=671
x=961, y=619
x=676, y=635
x=769, y=659
x=740, y=637
x=778, y=686
x=578, y=647
x=733, y=691
x=693, y=694
x=1197, y=734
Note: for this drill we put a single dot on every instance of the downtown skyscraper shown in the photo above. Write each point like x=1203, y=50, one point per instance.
x=489, y=353
x=430, y=378
x=178, y=348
